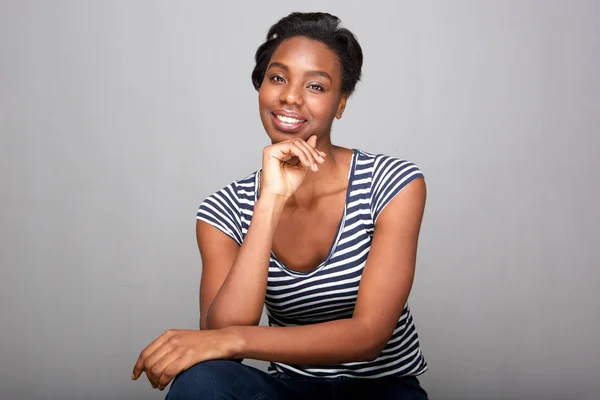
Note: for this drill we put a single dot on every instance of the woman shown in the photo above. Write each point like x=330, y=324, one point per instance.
x=324, y=236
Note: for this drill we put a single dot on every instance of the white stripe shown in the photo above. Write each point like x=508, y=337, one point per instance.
x=360, y=211
x=245, y=201
x=357, y=192
x=297, y=371
x=249, y=184
x=309, y=283
x=352, y=237
x=361, y=181
x=303, y=298
x=325, y=307
x=220, y=227
x=364, y=162
x=352, y=248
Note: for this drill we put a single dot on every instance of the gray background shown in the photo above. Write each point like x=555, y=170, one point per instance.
x=118, y=117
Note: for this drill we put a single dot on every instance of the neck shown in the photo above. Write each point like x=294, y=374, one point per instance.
x=331, y=177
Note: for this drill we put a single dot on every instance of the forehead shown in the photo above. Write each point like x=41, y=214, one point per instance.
x=306, y=54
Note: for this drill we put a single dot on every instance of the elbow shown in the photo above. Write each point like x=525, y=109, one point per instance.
x=371, y=351
x=375, y=340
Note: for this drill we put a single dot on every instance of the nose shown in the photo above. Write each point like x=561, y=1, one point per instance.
x=292, y=95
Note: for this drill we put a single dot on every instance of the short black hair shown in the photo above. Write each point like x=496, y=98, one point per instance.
x=319, y=26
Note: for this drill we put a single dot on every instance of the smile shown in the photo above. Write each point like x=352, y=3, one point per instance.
x=289, y=120
x=287, y=124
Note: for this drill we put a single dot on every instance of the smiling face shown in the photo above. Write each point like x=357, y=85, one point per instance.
x=301, y=92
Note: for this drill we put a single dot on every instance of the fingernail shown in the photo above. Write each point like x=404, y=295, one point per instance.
x=316, y=167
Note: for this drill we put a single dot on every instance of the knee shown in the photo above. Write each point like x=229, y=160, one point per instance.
x=206, y=380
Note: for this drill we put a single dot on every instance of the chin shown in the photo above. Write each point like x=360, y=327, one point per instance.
x=277, y=135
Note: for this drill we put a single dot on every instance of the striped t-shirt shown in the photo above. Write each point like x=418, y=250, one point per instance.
x=329, y=291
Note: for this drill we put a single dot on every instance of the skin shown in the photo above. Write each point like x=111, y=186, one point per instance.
x=304, y=178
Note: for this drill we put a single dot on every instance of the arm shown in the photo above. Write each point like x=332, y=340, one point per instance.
x=383, y=293
x=385, y=285
x=235, y=295
x=234, y=279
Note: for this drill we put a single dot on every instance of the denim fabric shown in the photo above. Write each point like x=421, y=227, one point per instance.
x=223, y=379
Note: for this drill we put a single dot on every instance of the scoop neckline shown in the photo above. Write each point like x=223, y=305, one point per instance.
x=339, y=231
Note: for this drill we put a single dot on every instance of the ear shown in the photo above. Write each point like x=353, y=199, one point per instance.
x=341, y=106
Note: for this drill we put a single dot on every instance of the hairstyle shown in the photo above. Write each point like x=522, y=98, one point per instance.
x=323, y=27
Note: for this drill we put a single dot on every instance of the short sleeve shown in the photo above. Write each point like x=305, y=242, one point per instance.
x=222, y=211
x=390, y=176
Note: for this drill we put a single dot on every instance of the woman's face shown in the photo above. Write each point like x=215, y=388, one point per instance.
x=301, y=92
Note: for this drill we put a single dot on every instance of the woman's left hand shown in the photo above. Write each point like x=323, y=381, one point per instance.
x=177, y=350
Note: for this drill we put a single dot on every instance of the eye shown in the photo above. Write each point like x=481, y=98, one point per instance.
x=316, y=86
x=277, y=78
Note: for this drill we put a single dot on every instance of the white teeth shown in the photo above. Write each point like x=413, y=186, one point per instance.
x=289, y=120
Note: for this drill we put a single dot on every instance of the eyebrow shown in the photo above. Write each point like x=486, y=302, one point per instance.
x=284, y=67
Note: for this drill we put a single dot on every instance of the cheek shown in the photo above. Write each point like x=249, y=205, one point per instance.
x=323, y=109
x=263, y=106
x=266, y=95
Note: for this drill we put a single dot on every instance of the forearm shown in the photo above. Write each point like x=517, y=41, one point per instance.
x=241, y=297
x=334, y=342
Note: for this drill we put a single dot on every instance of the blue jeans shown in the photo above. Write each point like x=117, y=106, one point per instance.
x=223, y=379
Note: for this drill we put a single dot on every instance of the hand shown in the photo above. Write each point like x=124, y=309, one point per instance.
x=177, y=350
x=285, y=165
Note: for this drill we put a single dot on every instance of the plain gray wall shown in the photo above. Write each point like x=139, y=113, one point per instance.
x=118, y=117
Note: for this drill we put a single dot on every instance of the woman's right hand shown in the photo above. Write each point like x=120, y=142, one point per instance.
x=285, y=164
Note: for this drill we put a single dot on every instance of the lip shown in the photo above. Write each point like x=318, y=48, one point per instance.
x=291, y=114
x=287, y=127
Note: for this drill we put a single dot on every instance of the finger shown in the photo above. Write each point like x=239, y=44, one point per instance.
x=164, y=367
x=312, y=141
x=312, y=150
x=310, y=156
x=291, y=150
x=139, y=365
x=151, y=379
x=155, y=359
x=169, y=367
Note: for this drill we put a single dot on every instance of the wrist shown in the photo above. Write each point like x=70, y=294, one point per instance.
x=271, y=203
x=235, y=342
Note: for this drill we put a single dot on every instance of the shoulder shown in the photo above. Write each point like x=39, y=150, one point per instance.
x=226, y=208
x=389, y=176
x=243, y=189
x=384, y=166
